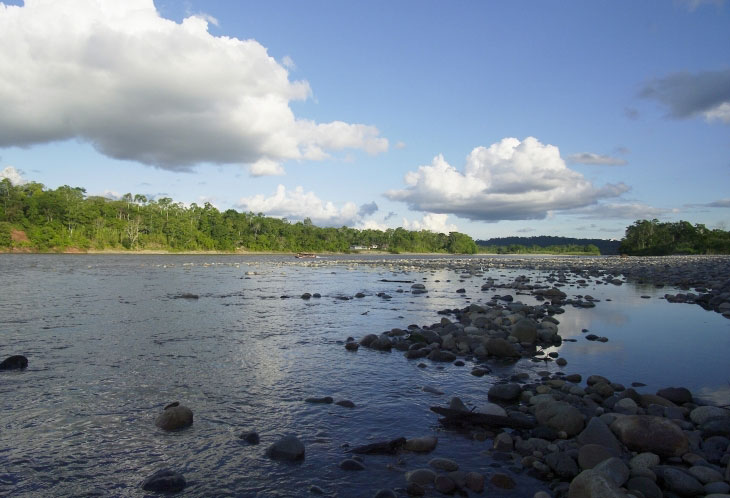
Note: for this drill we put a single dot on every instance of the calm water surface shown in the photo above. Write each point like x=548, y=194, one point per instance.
x=109, y=345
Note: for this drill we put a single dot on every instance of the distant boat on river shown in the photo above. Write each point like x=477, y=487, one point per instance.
x=305, y=255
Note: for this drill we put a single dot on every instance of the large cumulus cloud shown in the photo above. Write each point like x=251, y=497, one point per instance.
x=509, y=180
x=297, y=204
x=140, y=87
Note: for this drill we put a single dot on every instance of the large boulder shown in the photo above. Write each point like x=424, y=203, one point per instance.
x=288, y=448
x=678, y=481
x=525, y=330
x=175, y=416
x=560, y=416
x=677, y=395
x=501, y=348
x=649, y=433
x=422, y=444
x=591, y=484
x=597, y=432
x=15, y=362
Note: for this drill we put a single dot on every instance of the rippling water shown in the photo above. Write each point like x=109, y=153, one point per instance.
x=110, y=343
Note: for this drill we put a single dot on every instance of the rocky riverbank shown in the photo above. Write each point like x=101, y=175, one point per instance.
x=600, y=439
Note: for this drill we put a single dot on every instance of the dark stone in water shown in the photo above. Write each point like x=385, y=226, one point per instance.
x=164, y=481
x=325, y=399
x=381, y=448
x=250, y=437
x=346, y=403
x=351, y=464
x=15, y=362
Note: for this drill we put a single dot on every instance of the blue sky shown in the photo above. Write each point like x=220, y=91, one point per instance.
x=491, y=118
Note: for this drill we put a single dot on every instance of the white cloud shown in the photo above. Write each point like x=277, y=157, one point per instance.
x=111, y=194
x=432, y=222
x=622, y=210
x=597, y=159
x=265, y=167
x=371, y=225
x=140, y=87
x=400, y=145
x=288, y=63
x=509, y=180
x=297, y=204
x=15, y=176
x=719, y=113
x=722, y=203
x=693, y=5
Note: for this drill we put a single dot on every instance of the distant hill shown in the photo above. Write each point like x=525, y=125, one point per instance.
x=605, y=246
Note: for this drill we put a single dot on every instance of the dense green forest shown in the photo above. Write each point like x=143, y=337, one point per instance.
x=535, y=249
x=33, y=217
x=548, y=244
x=655, y=238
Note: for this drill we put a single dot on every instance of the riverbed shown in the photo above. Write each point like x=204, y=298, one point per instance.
x=112, y=339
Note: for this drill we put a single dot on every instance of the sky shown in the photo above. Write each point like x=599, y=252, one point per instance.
x=491, y=118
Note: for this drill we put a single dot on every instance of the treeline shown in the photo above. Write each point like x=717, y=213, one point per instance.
x=54, y=220
x=654, y=238
x=589, y=249
x=542, y=243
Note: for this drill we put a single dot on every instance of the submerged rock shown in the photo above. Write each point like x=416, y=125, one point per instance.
x=288, y=448
x=174, y=417
x=164, y=481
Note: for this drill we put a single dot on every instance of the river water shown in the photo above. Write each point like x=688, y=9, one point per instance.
x=110, y=343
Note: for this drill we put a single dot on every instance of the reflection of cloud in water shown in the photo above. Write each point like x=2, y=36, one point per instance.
x=586, y=347
x=719, y=395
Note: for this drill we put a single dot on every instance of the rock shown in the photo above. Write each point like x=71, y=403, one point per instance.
x=502, y=481
x=678, y=481
x=705, y=474
x=368, y=340
x=322, y=400
x=474, y=481
x=164, y=481
x=643, y=462
x=174, y=417
x=350, y=464
x=702, y=414
x=561, y=362
x=306, y=295
x=491, y=409
x=677, y=395
x=505, y=392
x=613, y=469
x=501, y=348
x=717, y=489
x=444, y=484
x=645, y=486
x=422, y=444
x=626, y=406
x=590, y=484
x=715, y=427
x=457, y=404
x=590, y=455
x=650, y=433
x=382, y=343
x=503, y=442
x=422, y=477
x=651, y=399
x=562, y=465
x=381, y=448
x=250, y=437
x=345, y=403
x=288, y=448
x=414, y=489
x=525, y=330
x=442, y=356
x=597, y=432
x=352, y=346
x=15, y=362
x=444, y=464
x=385, y=493
x=432, y=390
x=560, y=416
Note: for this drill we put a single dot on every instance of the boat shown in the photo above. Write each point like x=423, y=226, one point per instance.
x=305, y=255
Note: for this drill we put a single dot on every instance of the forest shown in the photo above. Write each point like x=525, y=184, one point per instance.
x=548, y=244
x=36, y=218
x=655, y=238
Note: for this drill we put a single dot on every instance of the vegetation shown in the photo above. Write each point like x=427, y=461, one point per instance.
x=657, y=239
x=588, y=249
x=55, y=220
x=549, y=244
